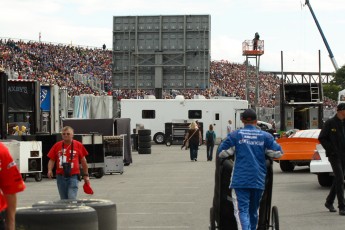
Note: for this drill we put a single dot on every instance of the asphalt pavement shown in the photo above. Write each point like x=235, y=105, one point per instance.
x=165, y=190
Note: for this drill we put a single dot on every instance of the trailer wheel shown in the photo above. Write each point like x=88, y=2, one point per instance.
x=99, y=173
x=57, y=218
x=286, y=166
x=275, y=218
x=159, y=138
x=325, y=180
x=38, y=177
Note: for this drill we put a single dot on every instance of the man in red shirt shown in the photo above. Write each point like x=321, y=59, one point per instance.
x=11, y=182
x=66, y=155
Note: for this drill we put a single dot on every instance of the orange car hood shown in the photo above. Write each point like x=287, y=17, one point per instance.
x=298, y=148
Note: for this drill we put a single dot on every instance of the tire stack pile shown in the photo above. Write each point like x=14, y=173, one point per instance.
x=144, y=143
x=86, y=214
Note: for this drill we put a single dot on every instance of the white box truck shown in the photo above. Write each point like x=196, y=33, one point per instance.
x=154, y=113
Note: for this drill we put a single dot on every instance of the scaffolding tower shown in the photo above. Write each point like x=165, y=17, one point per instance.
x=253, y=49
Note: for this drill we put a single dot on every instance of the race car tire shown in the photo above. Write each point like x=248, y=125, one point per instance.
x=57, y=218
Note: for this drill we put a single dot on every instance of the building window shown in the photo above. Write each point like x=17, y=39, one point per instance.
x=194, y=114
x=148, y=114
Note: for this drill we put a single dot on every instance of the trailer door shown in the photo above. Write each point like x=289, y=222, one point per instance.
x=238, y=122
x=313, y=118
x=289, y=116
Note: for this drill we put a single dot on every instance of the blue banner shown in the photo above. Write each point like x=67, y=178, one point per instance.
x=45, y=98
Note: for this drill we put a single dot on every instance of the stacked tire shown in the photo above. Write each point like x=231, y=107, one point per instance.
x=56, y=218
x=106, y=214
x=144, y=142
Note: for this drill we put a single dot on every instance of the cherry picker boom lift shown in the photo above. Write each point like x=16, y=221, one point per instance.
x=335, y=65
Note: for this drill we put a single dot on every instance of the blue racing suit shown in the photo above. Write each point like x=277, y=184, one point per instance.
x=249, y=171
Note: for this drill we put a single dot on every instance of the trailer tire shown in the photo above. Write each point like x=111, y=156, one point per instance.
x=105, y=209
x=146, y=138
x=57, y=218
x=286, y=166
x=144, y=132
x=144, y=151
x=144, y=144
x=38, y=177
x=159, y=138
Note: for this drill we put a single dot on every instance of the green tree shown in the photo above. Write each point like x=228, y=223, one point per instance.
x=337, y=84
x=339, y=77
x=331, y=91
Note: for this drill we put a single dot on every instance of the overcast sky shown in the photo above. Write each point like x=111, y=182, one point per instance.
x=284, y=25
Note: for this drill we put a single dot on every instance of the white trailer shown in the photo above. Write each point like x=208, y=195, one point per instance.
x=154, y=113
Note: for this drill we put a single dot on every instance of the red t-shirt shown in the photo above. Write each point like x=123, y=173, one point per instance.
x=11, y=180
x=60, y=156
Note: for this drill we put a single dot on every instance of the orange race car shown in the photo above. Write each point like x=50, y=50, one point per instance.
x=298, y=149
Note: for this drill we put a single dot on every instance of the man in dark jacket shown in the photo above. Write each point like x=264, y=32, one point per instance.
x=332, y=138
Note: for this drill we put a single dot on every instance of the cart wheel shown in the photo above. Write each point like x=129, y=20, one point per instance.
x=168, y=143
x=121, y=173
x=275, y=218
x=38, y=177
x=212, y=220
x=24, y=176
x=99, y=173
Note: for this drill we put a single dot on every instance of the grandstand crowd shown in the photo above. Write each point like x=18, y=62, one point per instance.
x=57, y=64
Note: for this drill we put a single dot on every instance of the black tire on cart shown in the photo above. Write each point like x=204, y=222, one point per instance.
x=105, y=209
x=98, y=173
x=168, y=141
x=24, y=176
x=57, y=218
x=38, y=177
x=275, y=218
x=212, y=220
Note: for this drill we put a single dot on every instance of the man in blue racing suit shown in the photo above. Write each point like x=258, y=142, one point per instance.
x=249, y=145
